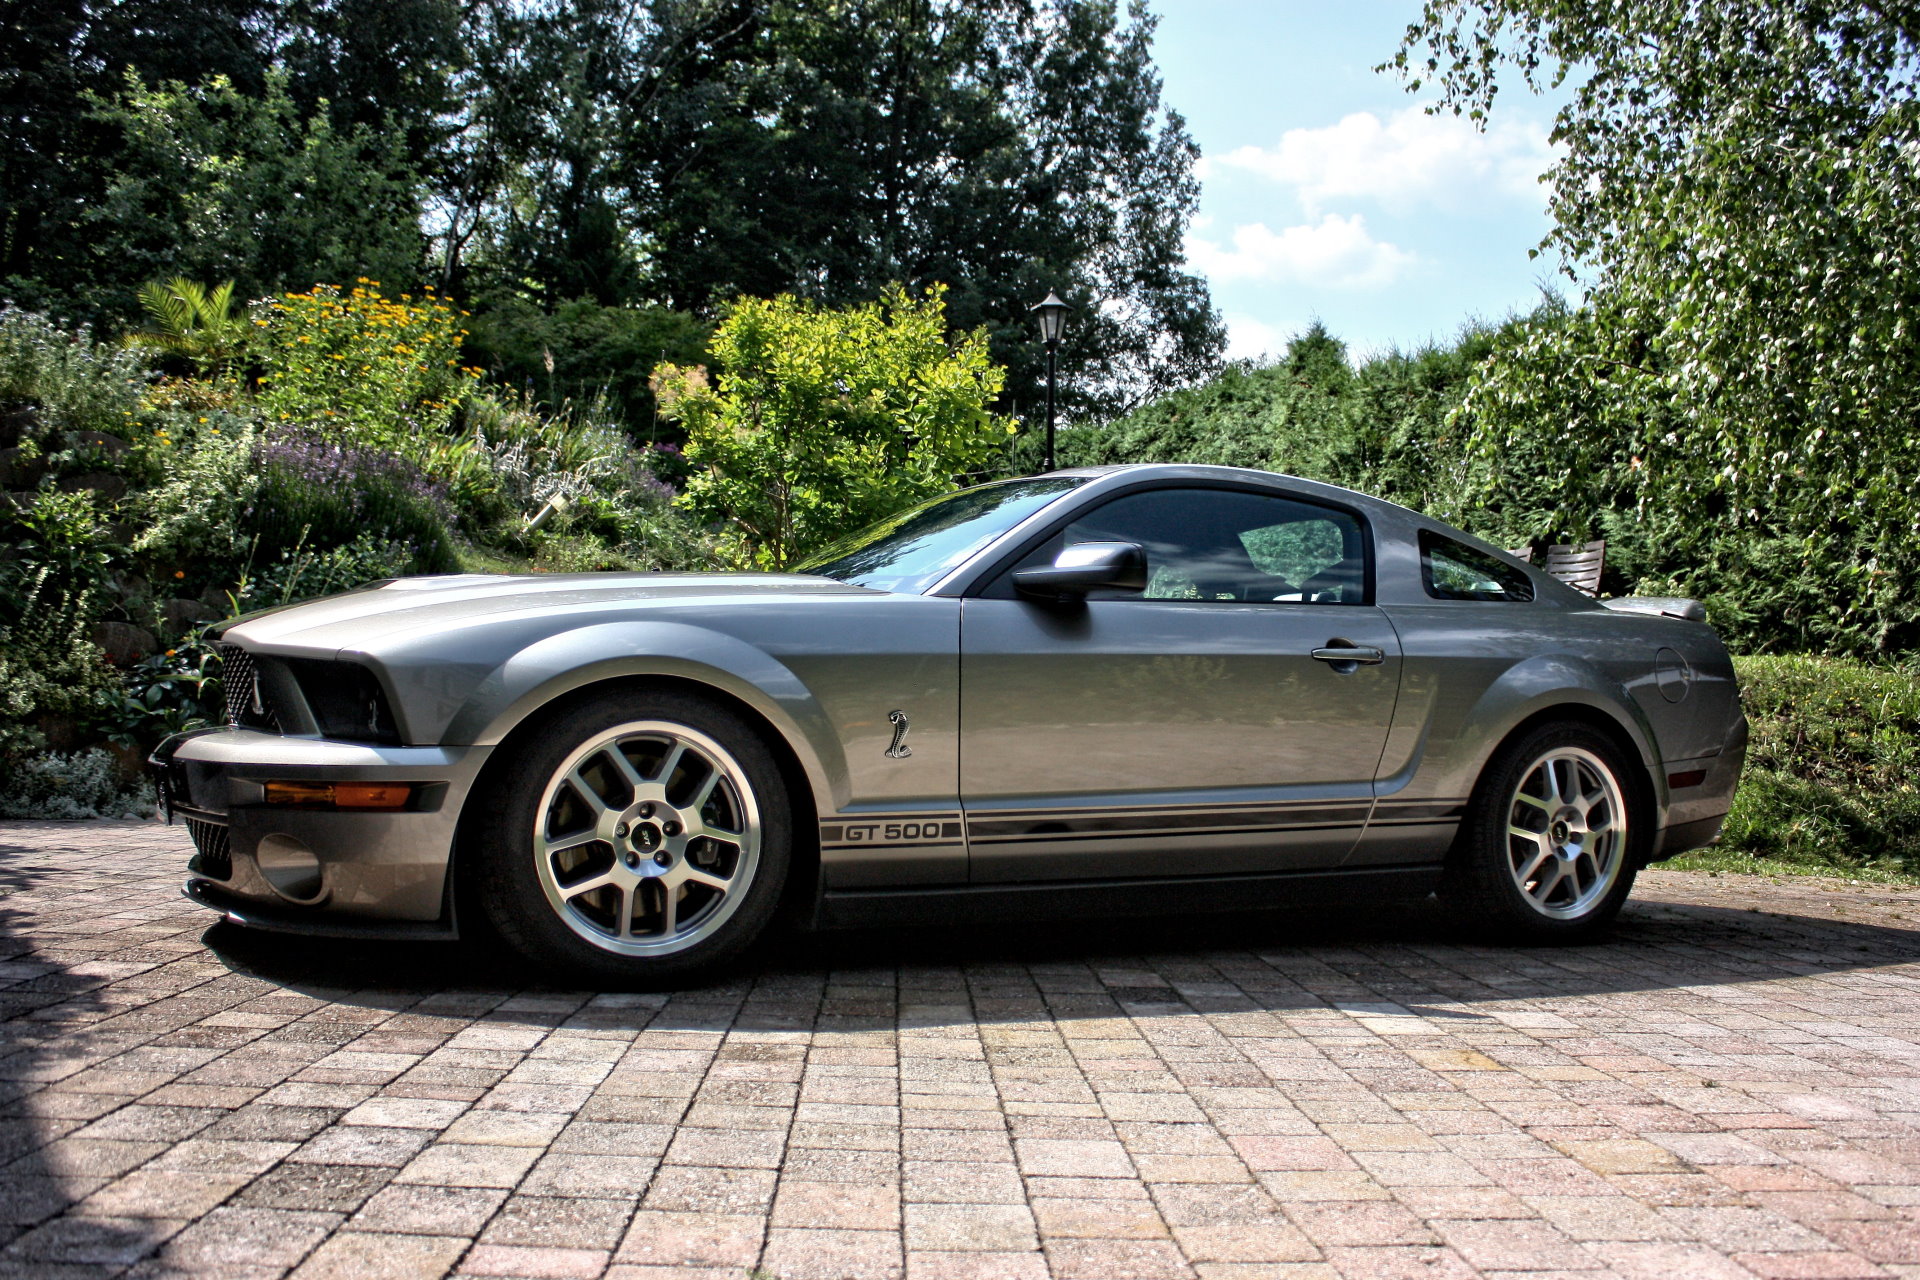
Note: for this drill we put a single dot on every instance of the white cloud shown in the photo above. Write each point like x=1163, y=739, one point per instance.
x=1407, y=160
x=1334, y=253
x=1250, y=339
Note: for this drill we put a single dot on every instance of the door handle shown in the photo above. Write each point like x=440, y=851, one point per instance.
x=1341, y=654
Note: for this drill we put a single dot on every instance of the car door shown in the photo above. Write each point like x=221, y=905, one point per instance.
x=1187, y=729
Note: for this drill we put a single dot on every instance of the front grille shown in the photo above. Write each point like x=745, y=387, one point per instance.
x=240, y=677
x=213, y=853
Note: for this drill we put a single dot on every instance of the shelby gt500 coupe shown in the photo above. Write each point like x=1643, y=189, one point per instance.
x=1135, y=689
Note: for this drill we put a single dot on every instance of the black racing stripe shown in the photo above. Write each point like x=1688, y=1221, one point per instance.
x=1148, y=822
x=1050, y=837
x=1420, y=810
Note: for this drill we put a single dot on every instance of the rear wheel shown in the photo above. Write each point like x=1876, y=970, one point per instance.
x=640, y=839
x=1548, y=850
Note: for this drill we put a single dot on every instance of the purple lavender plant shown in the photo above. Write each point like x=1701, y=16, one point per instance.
x=306, y=456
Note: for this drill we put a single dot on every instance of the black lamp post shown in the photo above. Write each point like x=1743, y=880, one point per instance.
x=1053, y=319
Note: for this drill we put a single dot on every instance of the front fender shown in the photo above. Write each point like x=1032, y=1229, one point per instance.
x=557, y=665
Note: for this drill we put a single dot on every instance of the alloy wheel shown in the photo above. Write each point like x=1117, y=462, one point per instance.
x=647, y=838
x=1566, y=833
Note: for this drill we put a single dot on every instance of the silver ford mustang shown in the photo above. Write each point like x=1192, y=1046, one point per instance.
x=1137, y=689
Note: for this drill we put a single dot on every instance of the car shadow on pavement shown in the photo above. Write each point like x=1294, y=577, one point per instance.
x=52, y=1034
x=1160, y=966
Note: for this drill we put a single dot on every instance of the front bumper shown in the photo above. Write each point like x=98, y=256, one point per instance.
x=371, y=873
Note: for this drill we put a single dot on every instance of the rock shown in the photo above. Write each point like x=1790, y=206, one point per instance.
x=123, y=642
x=17, y=422
x=18, y=470
x=179, y=616
x=98, y=441
x=109, y=486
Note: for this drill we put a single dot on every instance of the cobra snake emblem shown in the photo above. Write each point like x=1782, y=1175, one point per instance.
x=899, y=750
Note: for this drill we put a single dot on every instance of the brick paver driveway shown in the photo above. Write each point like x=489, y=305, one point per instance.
x=1730, y=1087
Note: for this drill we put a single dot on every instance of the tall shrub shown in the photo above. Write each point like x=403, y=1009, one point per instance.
x=386, y=369
x=822, y=420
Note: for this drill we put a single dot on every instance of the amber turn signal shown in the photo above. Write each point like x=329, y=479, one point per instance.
x=340, y=795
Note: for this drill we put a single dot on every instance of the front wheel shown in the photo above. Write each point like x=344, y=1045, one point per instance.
x=641, y=838
x=1548, y=850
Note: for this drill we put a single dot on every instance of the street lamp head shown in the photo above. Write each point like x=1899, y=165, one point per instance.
x=1053, y=317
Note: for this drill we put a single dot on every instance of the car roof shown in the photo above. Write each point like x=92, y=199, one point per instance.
x=1398, y=523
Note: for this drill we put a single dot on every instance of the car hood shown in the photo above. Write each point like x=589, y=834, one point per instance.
x=389, y=611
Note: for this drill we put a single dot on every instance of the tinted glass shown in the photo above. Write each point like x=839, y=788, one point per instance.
x=1228, y=545
x=914, y=549
x=1455, y=571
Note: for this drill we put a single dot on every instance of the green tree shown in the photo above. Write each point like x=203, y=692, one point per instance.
x=685, y=152
x=826, y=420
x=382, y=64
x=1736, y=183
x=211, y=182
x=1384, y=427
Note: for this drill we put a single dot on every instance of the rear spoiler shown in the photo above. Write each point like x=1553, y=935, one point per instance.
x=1664, y=606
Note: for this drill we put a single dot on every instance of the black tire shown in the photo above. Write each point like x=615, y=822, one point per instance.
x=622, y=883
x=1487, y=882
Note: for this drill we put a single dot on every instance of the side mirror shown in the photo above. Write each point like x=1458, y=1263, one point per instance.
x=1084, y=567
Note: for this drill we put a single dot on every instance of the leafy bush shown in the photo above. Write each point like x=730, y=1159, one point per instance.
x=49, y=665
x=1383, y=428
x=77, y=384
x=62, y=535
x=83, y=784
x=301, y=572
x=824, y=421
x=166, y=693
x=1831, y=769
x=388, y=368
x=195, y=516
x=582, y=351
x=242, y=498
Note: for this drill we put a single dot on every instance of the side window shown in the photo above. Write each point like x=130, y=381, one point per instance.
x=1455, y=571
x=1228, y=545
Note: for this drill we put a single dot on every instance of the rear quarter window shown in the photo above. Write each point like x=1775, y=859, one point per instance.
x=1455, y=571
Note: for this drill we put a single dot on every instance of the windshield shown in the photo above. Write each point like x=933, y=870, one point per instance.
x=915, y=548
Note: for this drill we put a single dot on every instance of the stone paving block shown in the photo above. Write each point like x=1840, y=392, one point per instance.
x=248, y=1237
x=807, y=1253
x=429, y=1210
x=836, y=1204
x=360, y=1255
x=455, y=1164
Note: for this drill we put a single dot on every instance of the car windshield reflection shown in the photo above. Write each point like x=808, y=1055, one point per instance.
x=913, y=549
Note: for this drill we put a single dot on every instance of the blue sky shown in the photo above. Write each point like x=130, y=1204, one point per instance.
x=1328, y=194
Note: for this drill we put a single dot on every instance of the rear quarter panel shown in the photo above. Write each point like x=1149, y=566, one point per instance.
x=1474, y=672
